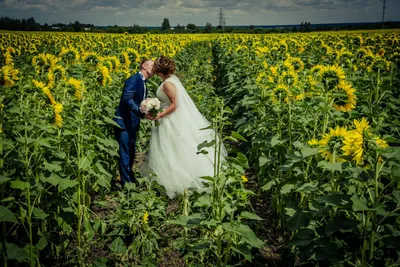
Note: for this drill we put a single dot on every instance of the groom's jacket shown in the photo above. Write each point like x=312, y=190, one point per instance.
x=128, y=114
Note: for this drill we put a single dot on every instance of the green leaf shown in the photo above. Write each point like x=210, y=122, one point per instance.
x=118, y=246
x=262, y=160
x=396, y=173
x=340, y=200
x=53, y=179
x=242, y=160
x=110, y=121
x=336, y=166
x=308, y=151
x=201, y=245
x=16, y=253
x=205, y=144
x=44, y=142
x=308, y=187
x=396, y=195
x=42, y=243
x=275, y=141
x=4, y=179
x=268, y=185
x=203, y=201
x=18, y=184
x=189, y=221
x=207, y=178
x=6, y=215
x=359, y=204
x=287, y=188
x=66, y=183
x=251, y=216
x=244, y=250
x=238, y=136
x=53, y=167
x=302, y=238
x=88, y=228
x=246, y=233
x=39, y=214
x=84, y=163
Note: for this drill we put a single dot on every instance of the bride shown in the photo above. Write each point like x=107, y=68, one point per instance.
x=172, y=156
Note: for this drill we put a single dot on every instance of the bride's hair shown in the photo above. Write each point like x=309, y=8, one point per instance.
x=164, y=65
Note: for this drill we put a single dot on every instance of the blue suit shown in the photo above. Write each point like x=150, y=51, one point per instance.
x=128, y=117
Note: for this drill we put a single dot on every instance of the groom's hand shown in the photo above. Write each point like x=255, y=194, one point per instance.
x=149, y=117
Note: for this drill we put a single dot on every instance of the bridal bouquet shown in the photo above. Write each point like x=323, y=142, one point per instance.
x=151, y=106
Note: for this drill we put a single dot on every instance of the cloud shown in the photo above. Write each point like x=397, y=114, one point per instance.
x=237, y=12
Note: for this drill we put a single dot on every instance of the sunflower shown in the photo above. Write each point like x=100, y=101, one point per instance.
x=50, y=79
x=379, y=65
x=91, y=58
x=344, y=99
x=8, y=58
x=331, y=76
x=290, y=78
x=126, y=62
x=313, y=142
x=297, y=63
x=332, y=143
x=287, y=66
x=8, y=75
x=357, y=141
x=280, y=93
x=58, y=120
x=146, y=217
x=274, y=70
x=77, y=85
x=69, y=54
x=283, y=47
x=104, y=77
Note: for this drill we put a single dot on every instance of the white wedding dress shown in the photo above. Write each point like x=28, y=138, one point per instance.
x=172, y=155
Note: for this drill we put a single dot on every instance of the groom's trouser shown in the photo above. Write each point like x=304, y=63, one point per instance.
x=127, y=151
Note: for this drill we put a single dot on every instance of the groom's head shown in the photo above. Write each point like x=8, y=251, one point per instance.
x=146, y=67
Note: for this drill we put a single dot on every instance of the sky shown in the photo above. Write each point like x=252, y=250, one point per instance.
x=199, y=12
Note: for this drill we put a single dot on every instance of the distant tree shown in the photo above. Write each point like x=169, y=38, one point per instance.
x=307, y=27
x=165, y=25
x=252, y=27
x=208, y=27
x=179, y=28
x=219, y=27
x=191, y=27
x=76, y=26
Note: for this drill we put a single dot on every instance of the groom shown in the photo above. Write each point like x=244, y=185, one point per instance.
x=128, y=115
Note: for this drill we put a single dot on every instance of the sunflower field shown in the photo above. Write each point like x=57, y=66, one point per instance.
x=311, y=123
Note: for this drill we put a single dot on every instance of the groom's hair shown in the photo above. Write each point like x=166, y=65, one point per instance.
x=143, y=61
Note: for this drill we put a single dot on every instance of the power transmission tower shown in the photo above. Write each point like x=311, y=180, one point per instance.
x=383, y=14
x=221, y=19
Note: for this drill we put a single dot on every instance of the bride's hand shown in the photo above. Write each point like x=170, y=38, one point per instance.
x=158, y=116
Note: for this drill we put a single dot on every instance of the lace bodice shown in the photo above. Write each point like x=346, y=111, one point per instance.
x=162, y=96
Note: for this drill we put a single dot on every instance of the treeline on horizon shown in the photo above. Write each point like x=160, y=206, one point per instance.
x=30, y=24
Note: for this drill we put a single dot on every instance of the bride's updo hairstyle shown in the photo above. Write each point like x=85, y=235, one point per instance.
x=164, y=65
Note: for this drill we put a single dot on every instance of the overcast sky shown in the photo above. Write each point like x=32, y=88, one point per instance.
x=199, y=12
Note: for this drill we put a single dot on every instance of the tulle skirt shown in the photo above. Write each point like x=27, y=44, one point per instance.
x=173, y=156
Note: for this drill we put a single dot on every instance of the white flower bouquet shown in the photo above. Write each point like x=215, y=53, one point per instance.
x=151, y=106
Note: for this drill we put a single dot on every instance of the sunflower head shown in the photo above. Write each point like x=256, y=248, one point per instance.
x=281, y=93
x=331, y=76
x=332, y=143
x=291, y=78
x=344, y=99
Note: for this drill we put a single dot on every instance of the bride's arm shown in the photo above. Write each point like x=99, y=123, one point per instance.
x=169, y=89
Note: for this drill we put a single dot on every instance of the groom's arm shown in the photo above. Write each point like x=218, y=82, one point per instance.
x=129, y=93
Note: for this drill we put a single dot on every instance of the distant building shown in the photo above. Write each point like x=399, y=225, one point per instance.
x=55, y=28
x=86, y=29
